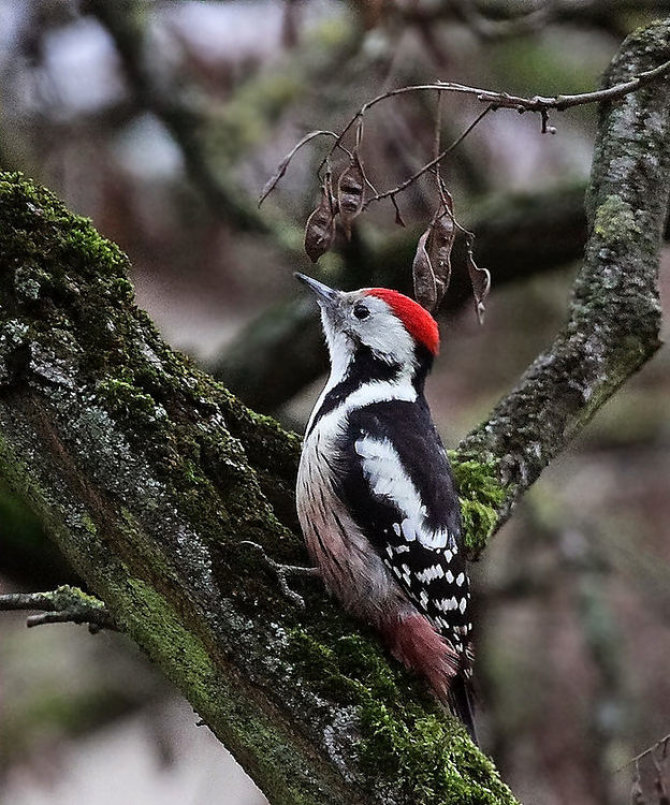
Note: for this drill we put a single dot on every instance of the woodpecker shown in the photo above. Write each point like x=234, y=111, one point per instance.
x=376, y=496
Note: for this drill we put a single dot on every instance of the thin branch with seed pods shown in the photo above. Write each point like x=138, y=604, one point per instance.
x=661, y=744
x=283, y=165
x=350, y=200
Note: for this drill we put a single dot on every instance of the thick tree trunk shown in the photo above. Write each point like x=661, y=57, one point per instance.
x=150, y=475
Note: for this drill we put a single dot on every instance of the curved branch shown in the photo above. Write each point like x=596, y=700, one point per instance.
x=614, y=317
x=503, y=100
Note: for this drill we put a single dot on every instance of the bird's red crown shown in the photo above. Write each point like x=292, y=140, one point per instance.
x=417, y=320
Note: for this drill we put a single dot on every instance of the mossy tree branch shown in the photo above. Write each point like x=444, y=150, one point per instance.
x=150, y=476
x=63, y=605
x=615, y=313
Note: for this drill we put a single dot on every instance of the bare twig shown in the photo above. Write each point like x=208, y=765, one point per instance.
x=63, y=605
x=429, y=165
x=503, y=100
x=283, y=165
x=438, y=128
x=661, y=744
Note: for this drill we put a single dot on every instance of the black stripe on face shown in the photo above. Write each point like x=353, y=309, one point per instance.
x=364, y=368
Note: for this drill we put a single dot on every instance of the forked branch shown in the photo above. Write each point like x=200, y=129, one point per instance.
x=614, y=317
x=64, y=605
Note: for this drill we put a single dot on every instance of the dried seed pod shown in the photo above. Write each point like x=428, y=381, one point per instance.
x=350, y=192
x=425, y=288
x=320, y=226
x=636, y=792
x=271, y=183
x=481, y=281
x=441, y=237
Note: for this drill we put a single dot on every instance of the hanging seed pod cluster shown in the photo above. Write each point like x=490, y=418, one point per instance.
x=346, y=205
x=343, y=200
x=431, y=268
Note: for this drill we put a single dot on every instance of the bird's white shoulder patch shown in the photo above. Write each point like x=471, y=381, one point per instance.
x=388, y=480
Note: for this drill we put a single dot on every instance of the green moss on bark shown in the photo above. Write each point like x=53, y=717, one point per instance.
x=411, y=741
x=481, y=495
x=149, y=474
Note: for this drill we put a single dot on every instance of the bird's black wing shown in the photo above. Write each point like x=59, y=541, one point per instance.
x=398, y=485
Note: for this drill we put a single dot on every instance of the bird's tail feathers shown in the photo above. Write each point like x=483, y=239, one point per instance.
x=461, y=704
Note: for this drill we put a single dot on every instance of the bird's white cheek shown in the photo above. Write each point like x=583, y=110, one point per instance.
x=390, y=341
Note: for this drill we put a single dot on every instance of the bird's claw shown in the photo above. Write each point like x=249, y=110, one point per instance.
x=283, y=572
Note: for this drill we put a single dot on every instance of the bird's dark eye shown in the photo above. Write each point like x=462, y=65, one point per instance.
x=361, y=312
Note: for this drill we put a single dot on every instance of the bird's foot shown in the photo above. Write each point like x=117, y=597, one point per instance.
x=283, y=572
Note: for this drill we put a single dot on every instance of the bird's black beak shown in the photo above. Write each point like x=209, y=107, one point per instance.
x=325, y=296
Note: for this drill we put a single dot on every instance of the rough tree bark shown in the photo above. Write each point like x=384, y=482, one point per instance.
x=150, y=474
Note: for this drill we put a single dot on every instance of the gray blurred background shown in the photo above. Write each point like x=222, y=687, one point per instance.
x=161, y=121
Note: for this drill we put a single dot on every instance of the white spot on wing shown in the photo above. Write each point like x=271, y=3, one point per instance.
x=430, y=574
x=408, y=529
